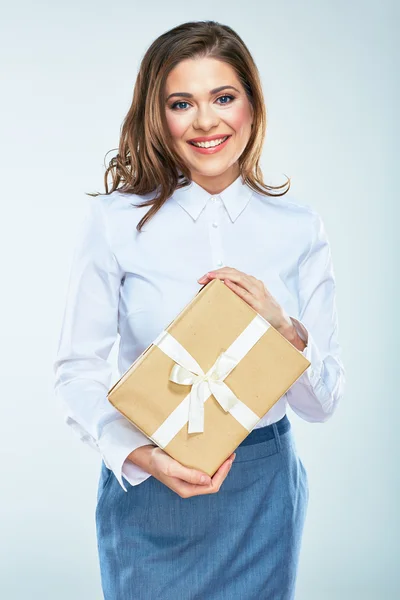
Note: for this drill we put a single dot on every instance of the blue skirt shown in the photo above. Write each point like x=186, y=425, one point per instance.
x=243, y=542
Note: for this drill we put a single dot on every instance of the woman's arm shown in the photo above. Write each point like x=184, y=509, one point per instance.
x=315, y=395
x=291, y=333
x=89, y=330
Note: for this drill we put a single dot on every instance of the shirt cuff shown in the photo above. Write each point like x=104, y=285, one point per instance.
x=312, y=376
x=118, y=439
x=133, y=473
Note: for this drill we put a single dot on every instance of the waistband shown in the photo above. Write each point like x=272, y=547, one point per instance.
x=268, y=432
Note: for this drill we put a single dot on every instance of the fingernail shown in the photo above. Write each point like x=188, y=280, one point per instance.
x=204, y=479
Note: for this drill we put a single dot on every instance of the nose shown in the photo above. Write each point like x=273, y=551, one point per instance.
x=205, y=119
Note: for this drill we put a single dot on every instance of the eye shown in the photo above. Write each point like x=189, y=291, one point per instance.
x=175, y=105
x=226, y=96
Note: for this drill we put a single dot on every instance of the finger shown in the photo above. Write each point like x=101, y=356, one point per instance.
x=192, y=476
x=184, y=487
x=247, y=282
x=222, y=472
x=225, y=270
x=241, y=292
x=219, y=475
x=216, y=482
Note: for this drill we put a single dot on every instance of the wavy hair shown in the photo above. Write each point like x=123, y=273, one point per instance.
x=146, y=161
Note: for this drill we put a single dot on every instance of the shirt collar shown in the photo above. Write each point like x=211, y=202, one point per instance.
x=193, y=198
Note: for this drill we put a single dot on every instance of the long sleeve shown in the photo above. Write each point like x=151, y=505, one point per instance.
x=88, y=333
x=316, y=393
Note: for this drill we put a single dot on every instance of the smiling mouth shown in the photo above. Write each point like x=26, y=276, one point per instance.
x=211, y=144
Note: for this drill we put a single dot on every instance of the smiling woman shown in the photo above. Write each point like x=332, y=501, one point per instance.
x=197, y=83
x=189, y=149
x=228, y=123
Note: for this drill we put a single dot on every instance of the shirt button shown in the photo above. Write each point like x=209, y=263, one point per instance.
x=213, y=199
x=220, y=263
x=215, y=224
x=311, y=372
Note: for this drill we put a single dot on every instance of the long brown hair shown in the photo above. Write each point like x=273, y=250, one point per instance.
x=145, y=161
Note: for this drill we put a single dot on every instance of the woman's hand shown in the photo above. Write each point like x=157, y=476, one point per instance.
x=185, y=481
x=255, y=293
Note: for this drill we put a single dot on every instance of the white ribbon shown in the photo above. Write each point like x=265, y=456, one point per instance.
x=215, y=386
x=187, y=371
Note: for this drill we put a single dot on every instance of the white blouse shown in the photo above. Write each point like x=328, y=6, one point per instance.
x=134, y=284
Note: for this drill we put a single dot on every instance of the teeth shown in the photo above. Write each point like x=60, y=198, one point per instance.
x=210, y=144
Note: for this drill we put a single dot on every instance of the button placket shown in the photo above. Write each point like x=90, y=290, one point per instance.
x=215, y=233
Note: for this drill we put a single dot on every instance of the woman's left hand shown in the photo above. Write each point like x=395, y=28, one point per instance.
x=254, y=292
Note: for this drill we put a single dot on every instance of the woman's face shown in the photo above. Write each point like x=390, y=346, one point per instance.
x=196, y=109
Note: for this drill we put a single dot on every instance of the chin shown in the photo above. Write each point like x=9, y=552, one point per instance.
x=211, y=171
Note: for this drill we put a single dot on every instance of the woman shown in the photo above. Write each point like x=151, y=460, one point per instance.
x=163, y=533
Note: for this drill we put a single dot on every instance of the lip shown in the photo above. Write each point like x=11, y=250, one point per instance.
x=211, y=150
x=208, y=139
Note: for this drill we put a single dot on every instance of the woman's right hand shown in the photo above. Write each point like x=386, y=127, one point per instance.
x=185, y=481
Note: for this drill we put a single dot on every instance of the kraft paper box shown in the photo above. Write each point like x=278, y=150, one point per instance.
x=207, y=379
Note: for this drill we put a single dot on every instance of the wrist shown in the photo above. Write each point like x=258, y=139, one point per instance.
x=140, y=456
x=289, y=332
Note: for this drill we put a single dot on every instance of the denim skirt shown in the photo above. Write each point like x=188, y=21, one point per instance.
x=240, y=543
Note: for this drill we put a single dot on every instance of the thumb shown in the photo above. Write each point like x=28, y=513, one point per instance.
x=193, y=476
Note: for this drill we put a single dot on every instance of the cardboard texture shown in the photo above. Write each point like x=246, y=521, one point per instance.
x=207, y=326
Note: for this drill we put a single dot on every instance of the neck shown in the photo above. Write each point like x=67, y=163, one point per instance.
x=215, y=184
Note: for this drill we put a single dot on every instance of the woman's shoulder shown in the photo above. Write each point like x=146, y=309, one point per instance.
x=291, y=202
x=118, y=200
x=121, y=208
x=299, y=218
x=293, y=210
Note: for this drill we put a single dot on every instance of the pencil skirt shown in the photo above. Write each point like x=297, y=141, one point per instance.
x=241, y=543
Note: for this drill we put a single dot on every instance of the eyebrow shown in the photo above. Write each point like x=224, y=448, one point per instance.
x=214, y=91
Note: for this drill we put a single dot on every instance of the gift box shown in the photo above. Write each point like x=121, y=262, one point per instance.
x=203, y=384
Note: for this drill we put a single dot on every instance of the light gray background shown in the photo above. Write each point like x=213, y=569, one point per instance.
x=329, y=77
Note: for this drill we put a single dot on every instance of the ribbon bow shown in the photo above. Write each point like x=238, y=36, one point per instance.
x=213, y=380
